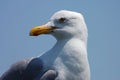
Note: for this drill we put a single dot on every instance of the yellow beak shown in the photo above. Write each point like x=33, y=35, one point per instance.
x=38, y=30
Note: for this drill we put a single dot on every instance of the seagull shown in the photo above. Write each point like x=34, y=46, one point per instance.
x=66, y=60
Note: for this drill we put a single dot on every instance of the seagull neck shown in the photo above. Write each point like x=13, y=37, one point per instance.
x=60, y=46
x=53, y=53
x=57, y=48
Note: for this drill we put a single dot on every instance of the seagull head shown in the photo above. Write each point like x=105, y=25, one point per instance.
x=63, y=24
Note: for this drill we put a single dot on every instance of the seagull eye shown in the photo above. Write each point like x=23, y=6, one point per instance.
x=62, y=20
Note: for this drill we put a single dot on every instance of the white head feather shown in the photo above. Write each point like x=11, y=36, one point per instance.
x=73, y=25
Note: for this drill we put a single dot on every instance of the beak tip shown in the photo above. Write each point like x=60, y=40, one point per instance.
x=30, y=34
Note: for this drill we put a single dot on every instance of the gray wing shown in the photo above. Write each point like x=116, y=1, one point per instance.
x=16, y=70
x=28, y=69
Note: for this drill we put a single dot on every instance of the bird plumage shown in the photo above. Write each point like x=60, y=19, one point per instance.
x=67, y=60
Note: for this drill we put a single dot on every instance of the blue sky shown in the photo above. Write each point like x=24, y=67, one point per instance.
x=17, y=17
